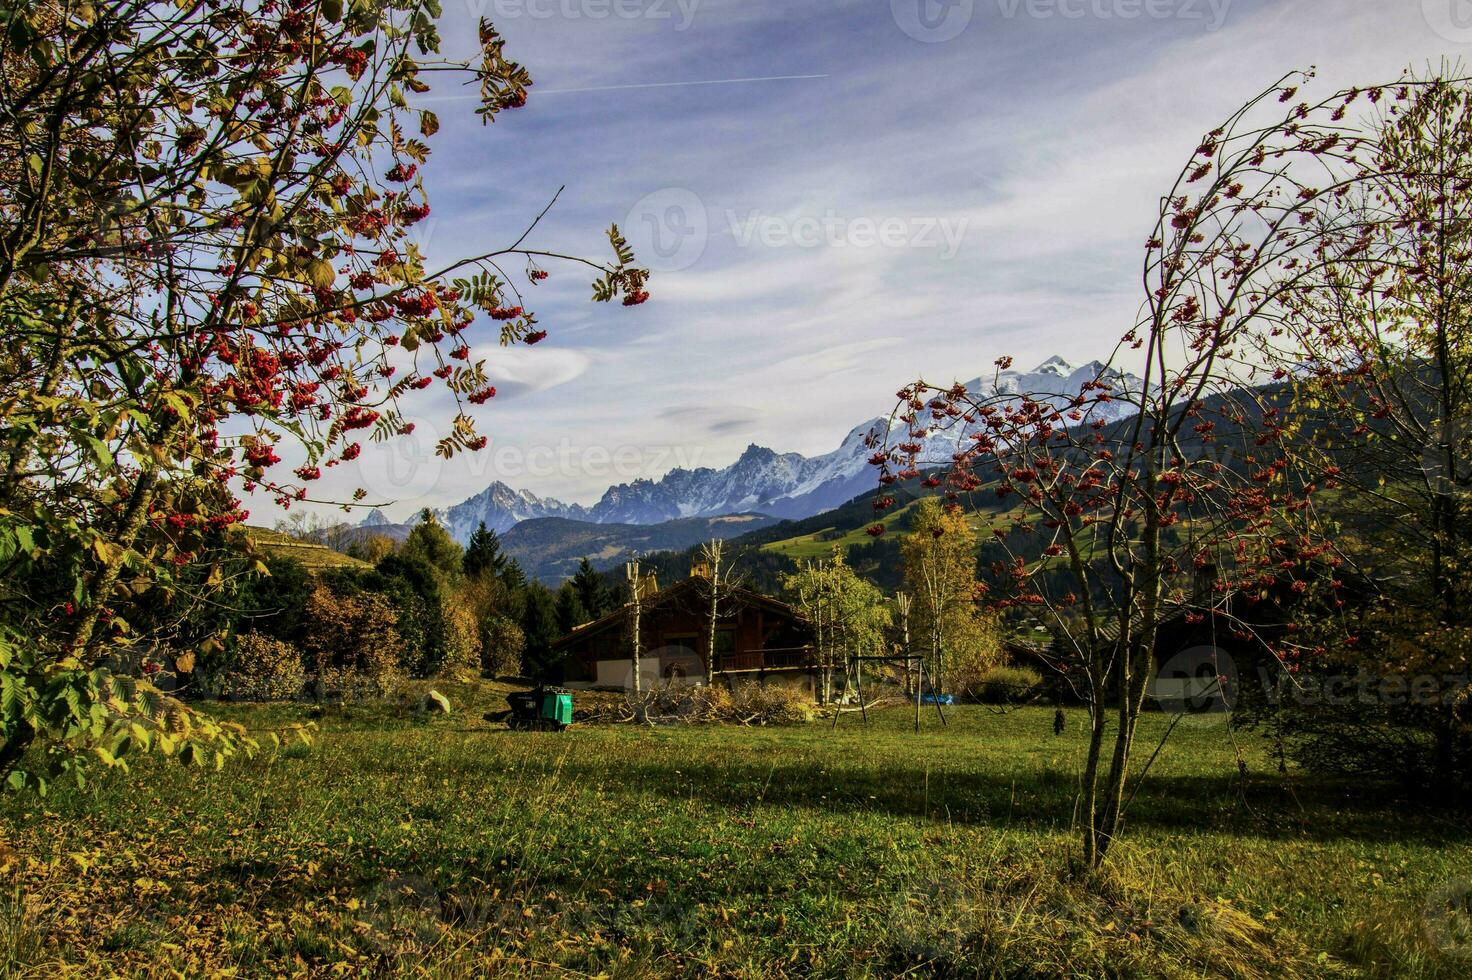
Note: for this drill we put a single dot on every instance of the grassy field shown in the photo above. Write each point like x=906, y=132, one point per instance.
x=818, y=544
x=445, y=846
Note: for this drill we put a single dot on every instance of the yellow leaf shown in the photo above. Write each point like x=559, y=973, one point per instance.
x=321, y=273
x=184, y=662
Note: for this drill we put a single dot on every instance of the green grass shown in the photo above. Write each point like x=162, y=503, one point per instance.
x=449, y=847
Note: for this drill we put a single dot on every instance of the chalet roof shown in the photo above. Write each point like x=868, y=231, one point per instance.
x=745, y=596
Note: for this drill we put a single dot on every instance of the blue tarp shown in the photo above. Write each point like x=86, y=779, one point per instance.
x=937, y=699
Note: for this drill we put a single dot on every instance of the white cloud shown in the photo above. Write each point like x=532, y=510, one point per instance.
x=1051, y=139
x=524, y=370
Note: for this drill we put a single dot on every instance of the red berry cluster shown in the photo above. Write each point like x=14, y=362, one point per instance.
x=359, y=417
x=261, y=454
x=415, y=304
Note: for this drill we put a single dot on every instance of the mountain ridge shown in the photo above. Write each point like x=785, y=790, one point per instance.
x=761, y=480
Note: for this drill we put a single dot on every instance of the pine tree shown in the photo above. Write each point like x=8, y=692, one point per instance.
x=430, y=543
x=539, y=626
x=483, y=554
x=588, y=585
x=513, y=577
x=570, y=610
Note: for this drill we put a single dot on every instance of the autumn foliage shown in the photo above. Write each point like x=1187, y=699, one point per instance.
x=210, y=283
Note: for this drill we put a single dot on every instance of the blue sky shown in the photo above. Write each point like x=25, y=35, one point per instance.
x=964, y=179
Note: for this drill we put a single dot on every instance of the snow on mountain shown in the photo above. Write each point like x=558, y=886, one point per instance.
x=502, y=508
x=783, y=485
x=1056, y=381
x=1055, y=376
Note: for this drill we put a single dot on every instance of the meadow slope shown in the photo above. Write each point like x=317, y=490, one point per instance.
x=407, y=845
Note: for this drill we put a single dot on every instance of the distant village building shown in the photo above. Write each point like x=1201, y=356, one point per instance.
x=758, y=639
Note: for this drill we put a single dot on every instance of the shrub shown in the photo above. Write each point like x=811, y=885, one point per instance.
x=462, y=638
x=501, y=643
x=1004, y=685
x=774, y=704
x=351, y=644
x=748, y=704
x=262, y=669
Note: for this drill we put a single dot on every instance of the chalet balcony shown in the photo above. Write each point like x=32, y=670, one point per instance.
x=770, y=658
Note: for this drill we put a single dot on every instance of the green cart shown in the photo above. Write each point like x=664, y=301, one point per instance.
x=547, y=709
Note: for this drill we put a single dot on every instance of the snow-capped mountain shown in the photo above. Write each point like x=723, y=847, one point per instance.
x=1055, y=376
x=784, y=485
x=761, y=480
x=503, y=507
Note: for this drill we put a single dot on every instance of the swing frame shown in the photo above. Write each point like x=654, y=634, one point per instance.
x=909, y=661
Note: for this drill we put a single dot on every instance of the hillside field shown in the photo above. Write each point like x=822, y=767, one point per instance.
x=398, y=844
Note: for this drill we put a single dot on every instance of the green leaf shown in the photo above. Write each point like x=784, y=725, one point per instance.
x=12, y=697
x=98, y=449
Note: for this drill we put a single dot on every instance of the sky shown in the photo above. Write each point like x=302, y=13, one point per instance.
x=836, y=198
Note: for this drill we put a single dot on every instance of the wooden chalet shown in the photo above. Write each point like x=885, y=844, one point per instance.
x=758, y=638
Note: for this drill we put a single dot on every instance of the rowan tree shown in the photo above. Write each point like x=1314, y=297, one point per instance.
x=207, y=252
x=1110, y=500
